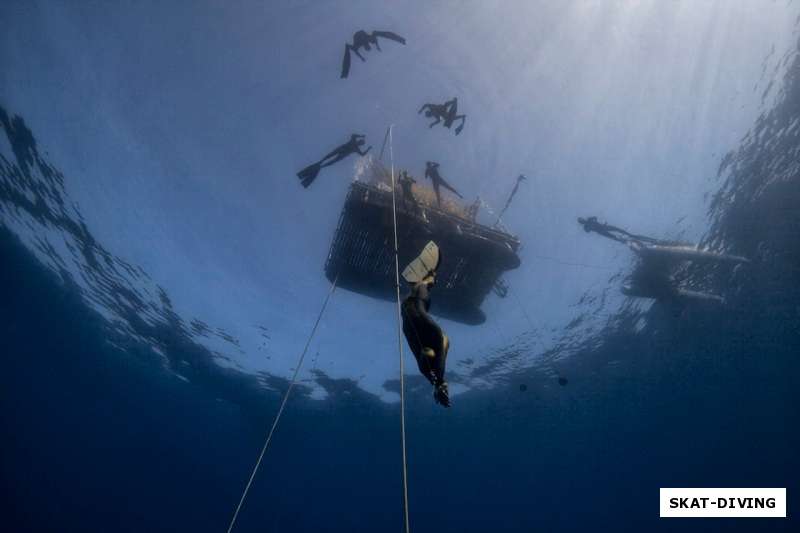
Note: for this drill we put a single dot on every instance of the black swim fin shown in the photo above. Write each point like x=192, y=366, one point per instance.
x=309, y=174
x=345, y=63
x=441, y=394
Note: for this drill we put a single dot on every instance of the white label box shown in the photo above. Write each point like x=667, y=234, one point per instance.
x=722, y=503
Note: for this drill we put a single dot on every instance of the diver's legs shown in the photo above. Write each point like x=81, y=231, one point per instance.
x=438, y=194
x=449, y=188
x=332, y=153
x=441, y=359
x=337, y=155
x=423, y=363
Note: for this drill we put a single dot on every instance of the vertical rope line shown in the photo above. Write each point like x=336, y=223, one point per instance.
x=399, y=336
x=283, y=405
x=385, y=138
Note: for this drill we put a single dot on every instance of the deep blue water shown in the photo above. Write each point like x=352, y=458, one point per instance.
x=100, y=435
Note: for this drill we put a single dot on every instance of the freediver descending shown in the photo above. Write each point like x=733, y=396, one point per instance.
x=353, y=146
x=432, y=173
x=653, y=277
x=447, y=112
x=425, y=338
x=362, y=39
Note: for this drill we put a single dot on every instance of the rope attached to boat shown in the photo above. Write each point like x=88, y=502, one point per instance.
x=282, y=406
x=399, y=337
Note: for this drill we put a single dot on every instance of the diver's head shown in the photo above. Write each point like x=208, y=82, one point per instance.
x=428, y=113
x=582, y=221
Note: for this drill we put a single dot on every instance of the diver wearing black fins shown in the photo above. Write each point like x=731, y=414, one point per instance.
x=659, y=260
x=362, y=39
x=427, y=341
x=353, y=146
x=447, y=112
x=432, y=173
x=591, y=224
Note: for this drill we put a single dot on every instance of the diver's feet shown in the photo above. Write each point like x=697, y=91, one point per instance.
x=441, y=395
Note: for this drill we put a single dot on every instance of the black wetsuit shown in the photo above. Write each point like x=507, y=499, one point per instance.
x=432, y=172
x=612, y=232
x=422, y=332
x=406, y=182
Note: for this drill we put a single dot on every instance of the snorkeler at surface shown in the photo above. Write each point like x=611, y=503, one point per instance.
x=362, y=39
x=447, y=112
x=654, y=275
x=427, y=341
x=432, y=173
x=353, y=146
x=591, y=224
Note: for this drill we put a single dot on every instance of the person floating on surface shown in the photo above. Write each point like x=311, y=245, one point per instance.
x=591, y=224
x=447, y=112
x=425, y=338
x=432, y=173
x=362, y=39
x=353, y=146
x=658, y=262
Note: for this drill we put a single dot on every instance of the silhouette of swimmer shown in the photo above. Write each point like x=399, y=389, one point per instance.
x=406, y=182
x=447, y=112
x=353, y=146
x=362, y=39
x=432, y=172
x=654, y=274
x=427, y=341
x=591, y=224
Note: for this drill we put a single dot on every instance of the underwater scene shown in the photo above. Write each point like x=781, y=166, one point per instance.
x=446, y=266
